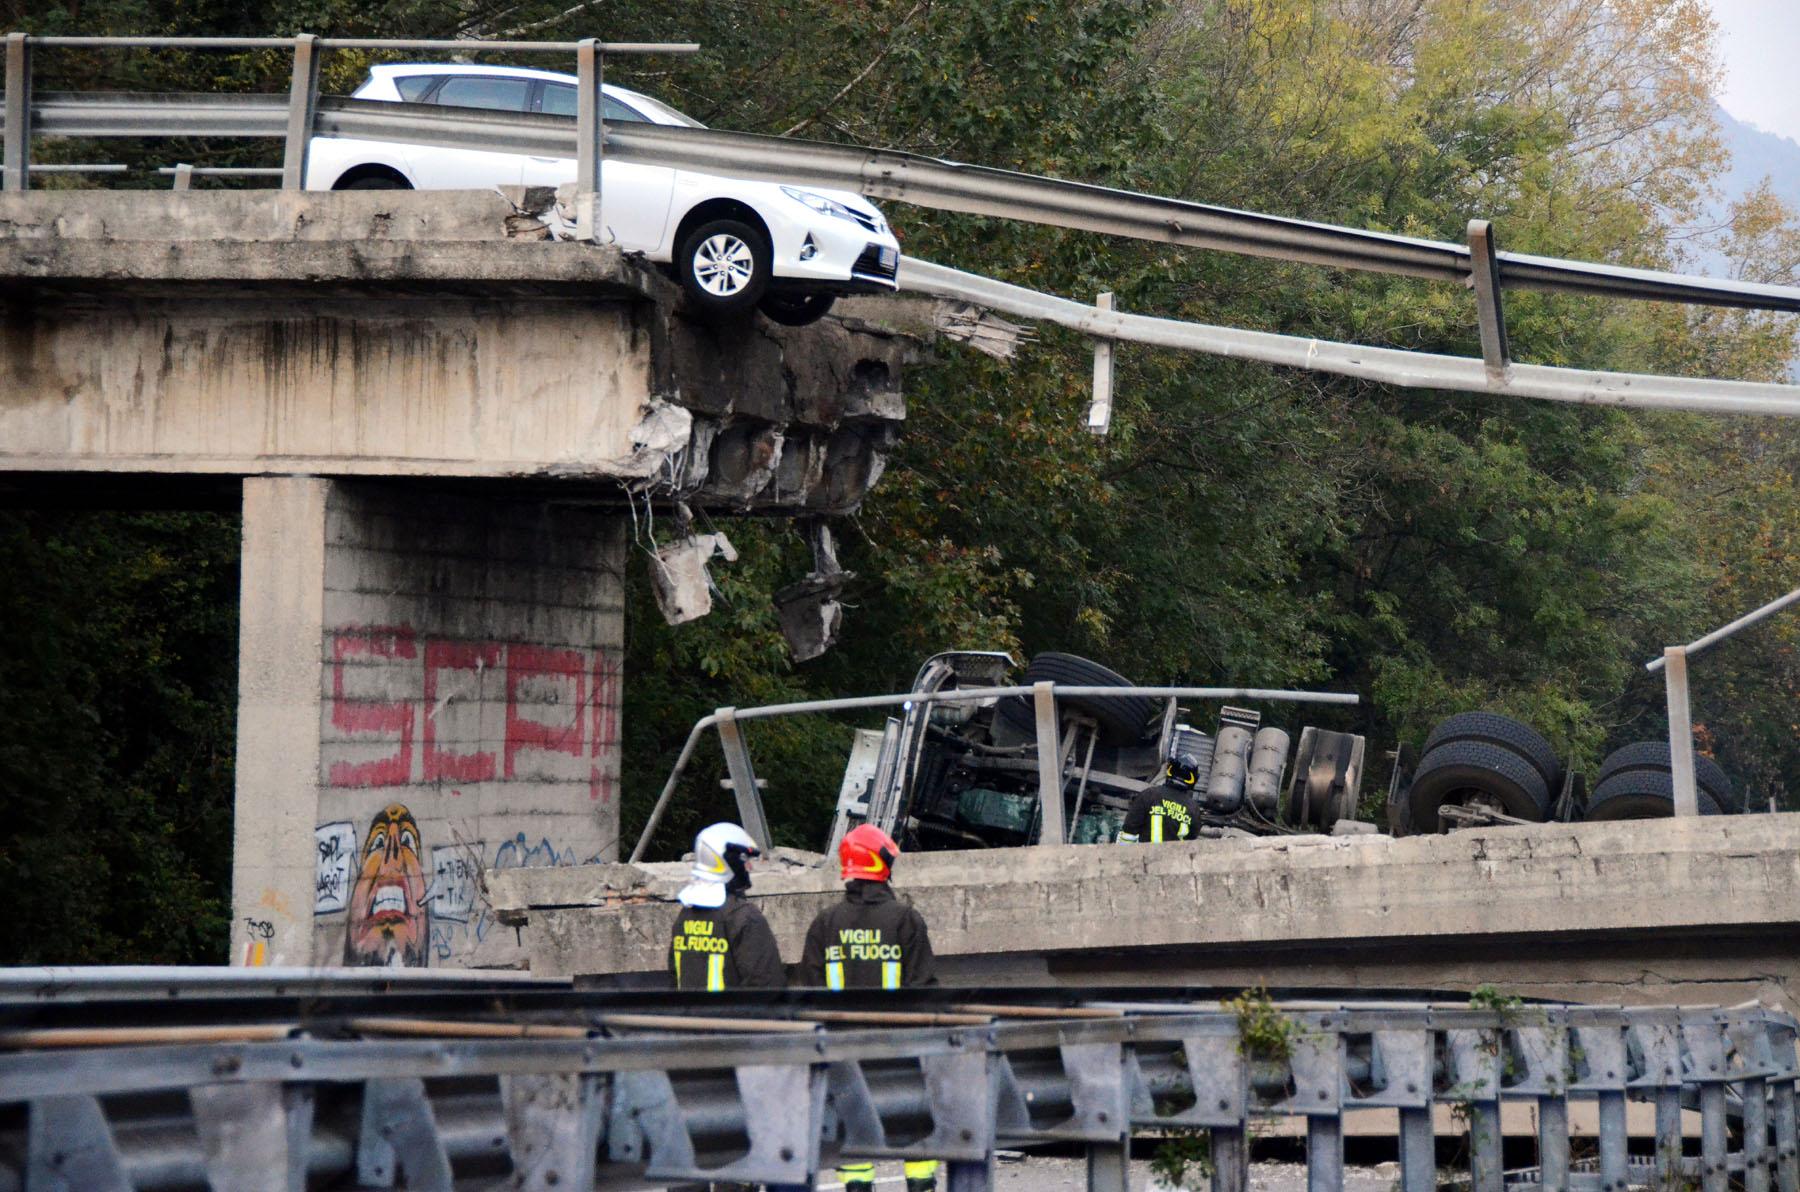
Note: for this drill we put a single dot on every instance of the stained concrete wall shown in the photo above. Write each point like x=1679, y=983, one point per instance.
x=431, y=691
x=469, y=672
x=1691, y=910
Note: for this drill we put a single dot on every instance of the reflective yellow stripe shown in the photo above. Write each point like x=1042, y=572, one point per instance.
x=921, y=1169
x=677, y=970
x=890, y=974
x=1155, y=828
x=856, y=1169
x=715, y=973
x=834, y=975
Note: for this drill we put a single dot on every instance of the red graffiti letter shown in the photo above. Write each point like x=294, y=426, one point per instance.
x=524, y=664
x=372, y=716
x=604, y=734
x=443, y=765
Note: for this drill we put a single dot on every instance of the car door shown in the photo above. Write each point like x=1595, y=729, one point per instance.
x=439, y=168
x=634, y=197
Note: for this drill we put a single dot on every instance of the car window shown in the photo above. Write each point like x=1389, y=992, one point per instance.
x=559, y=100
x=478, y=91
x=413, y=87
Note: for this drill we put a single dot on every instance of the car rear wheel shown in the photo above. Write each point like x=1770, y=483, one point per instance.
x=724, y=266
x=794, y=308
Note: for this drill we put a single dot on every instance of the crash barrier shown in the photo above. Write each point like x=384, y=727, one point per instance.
x=564, y=1090
x=1479, y=264
x=727, y=722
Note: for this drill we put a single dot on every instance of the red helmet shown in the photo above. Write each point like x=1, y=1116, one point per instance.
x=868, y=853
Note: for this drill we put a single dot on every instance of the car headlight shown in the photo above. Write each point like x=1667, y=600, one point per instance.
x=825, y=206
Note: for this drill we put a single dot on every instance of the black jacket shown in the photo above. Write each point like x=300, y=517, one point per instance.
x=1160, y=814
x=870, y=940
x=728, y=948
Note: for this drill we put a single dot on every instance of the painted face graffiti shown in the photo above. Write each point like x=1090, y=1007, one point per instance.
x=388, y=916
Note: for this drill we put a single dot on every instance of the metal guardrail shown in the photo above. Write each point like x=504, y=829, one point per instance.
x=930, y=182
x=575, y=1093
x=1391, y=366
x=743, y=772
x=1681, y=720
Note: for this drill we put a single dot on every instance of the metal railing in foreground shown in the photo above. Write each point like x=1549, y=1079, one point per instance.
x=744, y=785
x=586, y=1092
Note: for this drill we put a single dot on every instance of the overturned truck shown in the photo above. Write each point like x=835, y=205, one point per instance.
x=971, y=758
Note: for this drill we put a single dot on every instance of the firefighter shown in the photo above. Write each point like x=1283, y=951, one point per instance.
x=1170, y=810
x=870, y=940
x=722, y=942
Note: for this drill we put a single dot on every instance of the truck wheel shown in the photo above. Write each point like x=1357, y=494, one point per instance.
x=1642, y=794
x=1465, y=772
x=1495, y=729
x=1653, y=757
x=1122, y=721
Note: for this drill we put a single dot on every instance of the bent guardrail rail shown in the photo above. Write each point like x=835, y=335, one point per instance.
x=568, y=1089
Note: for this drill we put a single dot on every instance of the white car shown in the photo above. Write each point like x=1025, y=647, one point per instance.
x=731, y=243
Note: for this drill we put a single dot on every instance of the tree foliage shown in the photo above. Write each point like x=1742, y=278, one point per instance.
x=1433, y=552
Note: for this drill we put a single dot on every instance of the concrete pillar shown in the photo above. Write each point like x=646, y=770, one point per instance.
x=461, y=716
x=280, y=618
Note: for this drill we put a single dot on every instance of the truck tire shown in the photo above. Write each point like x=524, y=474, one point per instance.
x=1122, y=721
x=1455, y=770
x=1653, y=756
x=1495, y=729
x=1642, y=794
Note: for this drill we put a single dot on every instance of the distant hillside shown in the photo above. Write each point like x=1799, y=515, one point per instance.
x=1755, y=154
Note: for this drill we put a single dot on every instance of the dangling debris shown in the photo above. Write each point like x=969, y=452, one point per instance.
x=809, y=609
x=982, y=329
x=679, y=577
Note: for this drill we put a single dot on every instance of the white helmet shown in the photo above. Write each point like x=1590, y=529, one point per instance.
x=720, y=853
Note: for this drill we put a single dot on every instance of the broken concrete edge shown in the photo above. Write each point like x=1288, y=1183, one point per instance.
x=1553, y=880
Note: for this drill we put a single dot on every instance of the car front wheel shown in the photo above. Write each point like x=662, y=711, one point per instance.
x=724, y=266
x=795, y=309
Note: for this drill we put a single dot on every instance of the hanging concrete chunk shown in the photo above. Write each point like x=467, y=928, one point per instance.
x=679, y=577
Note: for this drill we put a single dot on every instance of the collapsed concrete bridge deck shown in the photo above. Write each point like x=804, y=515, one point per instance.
x=436, y=418
x=1637, y=912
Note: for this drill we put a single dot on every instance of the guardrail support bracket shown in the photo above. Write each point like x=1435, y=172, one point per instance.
x=17, y=147
x=1484, y=277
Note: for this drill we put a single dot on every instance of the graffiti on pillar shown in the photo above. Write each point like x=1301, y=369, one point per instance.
x=257, y=934
x=336, y=850
x=556, y=719
x=455, y=881
x=390, y=919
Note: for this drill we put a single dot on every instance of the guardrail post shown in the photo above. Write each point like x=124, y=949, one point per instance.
x=184, y=177
x=1681, y=731
x=18, y=112
x=743, y=778
x=590, y=133
x=1484, y=276
x=1049, y=760
x=303, y=101
x=1100, y=412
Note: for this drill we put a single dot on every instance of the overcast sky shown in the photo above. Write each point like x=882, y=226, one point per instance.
x=1760, y=42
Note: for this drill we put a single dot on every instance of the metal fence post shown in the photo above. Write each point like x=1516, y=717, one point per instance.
x=1049, y=761
x=590, y=135
x=18, y=112
x=743, y=777
x=303, y=100
x=1681, y=731
x=184, y=177
x=1484, y=276
x=1100, y=412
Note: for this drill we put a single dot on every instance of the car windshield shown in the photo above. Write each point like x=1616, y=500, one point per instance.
x=659, y=108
